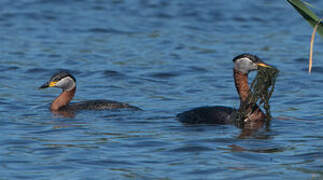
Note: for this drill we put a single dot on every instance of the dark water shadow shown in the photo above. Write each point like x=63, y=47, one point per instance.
x=73, y=113
x=248, y=129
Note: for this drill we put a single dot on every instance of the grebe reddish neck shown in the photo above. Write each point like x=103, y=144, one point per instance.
x=63, y=99
x=241, y=83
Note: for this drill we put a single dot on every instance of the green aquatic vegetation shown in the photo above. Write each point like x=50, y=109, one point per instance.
x=263, y=86
x=309, y=16
x=261, y=90
x=312, y=19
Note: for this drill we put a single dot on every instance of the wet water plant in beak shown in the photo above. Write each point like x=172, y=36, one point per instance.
x=261, y=90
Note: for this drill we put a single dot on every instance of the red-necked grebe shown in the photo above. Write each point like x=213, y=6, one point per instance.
x=243, y=64
x=67, y=83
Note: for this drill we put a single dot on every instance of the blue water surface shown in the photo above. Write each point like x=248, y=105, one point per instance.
x=165, y=57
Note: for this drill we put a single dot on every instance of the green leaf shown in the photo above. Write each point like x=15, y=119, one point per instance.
x=307, y=14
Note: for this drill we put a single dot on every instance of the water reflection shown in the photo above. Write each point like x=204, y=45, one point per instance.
x=65, y=114
x=250, y=128
x=237, y=148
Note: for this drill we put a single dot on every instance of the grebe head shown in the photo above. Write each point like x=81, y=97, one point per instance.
x=63, y=80
x=245, y=63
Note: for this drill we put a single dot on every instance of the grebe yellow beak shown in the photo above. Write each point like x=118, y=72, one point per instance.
x=52, y=83
x=48, y=84
x=261, y=64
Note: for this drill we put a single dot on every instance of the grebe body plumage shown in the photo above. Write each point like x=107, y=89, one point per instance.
x=99, y=104
x=208, y=115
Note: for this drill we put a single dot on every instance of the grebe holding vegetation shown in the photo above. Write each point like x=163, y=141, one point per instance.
x=67, y=83
x=249, y=112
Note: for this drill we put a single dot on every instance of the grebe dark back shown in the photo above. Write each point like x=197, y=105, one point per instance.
x=243, y=64
x=67, y=83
